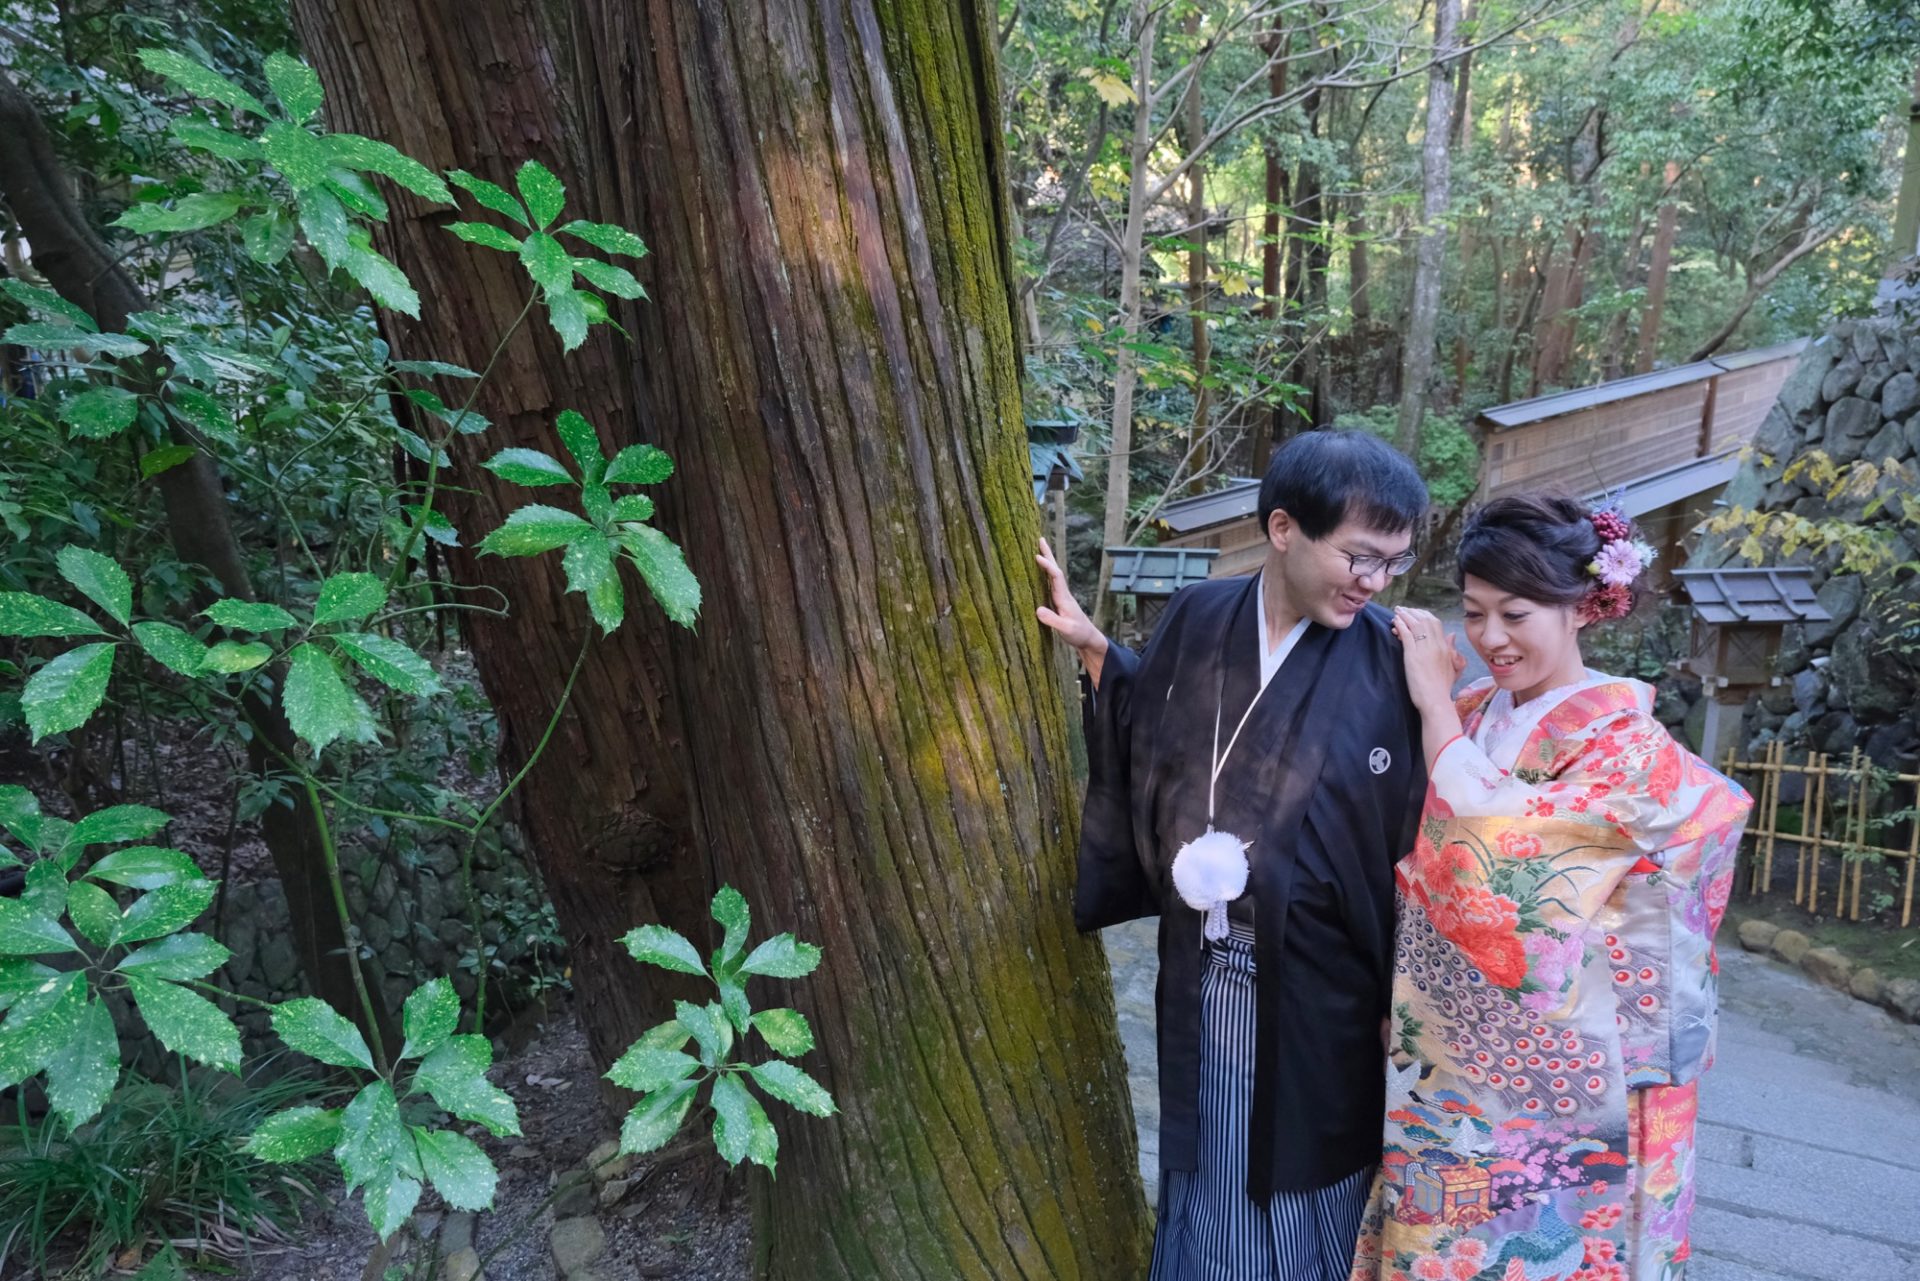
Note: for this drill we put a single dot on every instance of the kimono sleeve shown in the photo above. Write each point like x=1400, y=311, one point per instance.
x=1622, y=770
x=1112, y=885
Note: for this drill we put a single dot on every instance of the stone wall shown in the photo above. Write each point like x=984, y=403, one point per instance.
x=407, y=902
x=1846, y=683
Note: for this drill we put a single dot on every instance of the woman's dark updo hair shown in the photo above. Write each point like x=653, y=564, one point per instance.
x=1536, y=546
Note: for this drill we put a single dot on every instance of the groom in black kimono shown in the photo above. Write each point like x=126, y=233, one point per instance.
x=1273, y=708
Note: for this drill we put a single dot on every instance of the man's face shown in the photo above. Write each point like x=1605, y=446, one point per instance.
x=1331, y=579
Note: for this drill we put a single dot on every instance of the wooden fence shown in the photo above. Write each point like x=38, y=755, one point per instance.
x=1835, y=819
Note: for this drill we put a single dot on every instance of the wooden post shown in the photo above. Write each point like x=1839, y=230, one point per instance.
x=1811, y=849
x=1706, y=416
x=1913, y=859
x=1859, y=809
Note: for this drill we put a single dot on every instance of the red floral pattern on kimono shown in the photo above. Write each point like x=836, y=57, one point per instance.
x=1553, y=996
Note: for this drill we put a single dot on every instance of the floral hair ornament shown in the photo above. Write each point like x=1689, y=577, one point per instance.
x=1622, y=559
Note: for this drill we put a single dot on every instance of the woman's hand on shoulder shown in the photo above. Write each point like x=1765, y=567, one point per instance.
x=1433, y=661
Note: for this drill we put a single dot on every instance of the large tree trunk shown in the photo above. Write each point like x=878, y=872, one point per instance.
x=1657, y=269
x=607, y=809
x=1199, y=447
x=1276, y=46
x=82, y=270
x=875, y=749
x=1436, y=187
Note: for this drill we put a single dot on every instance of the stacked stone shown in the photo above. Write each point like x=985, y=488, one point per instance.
x=410, y=908
x=1855, y=396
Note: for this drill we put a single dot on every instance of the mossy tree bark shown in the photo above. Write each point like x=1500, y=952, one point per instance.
x=875, y=749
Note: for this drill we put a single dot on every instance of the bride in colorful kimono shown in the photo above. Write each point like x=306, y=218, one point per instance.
x=1553, y=991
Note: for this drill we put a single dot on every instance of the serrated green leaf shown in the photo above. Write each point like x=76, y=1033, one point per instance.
x=782, y=957
x=583, y=442
x=328, y=229
x=373, y=156
x=189, y=213
x=660, y=562
x=493, y=197
x=164, y=910
x=542, y=191
x=617, y=281
x=66, y=338
x=547, y=262
x=433, y=369
x=100, y=412
x=607, y=238
x=733, y=1000
x=390, y=662
x=295, y=84
x=296, y=1134
x=93, y=912
x=730, y=909
x=267, y=236
x=786, y=1032
x=708, y=1026
x=98, y=579
x=783, y=1081
x=357, y=194
x=346, y=597
x=200, y=81
x=456, y=1167
x=763, y=1144
x=630, y=507
x=41, y=1021
x=45, y=890
x=164, y=459
x=645, y=1070
x=389, y=1200
x=372, y=1139
x=171, y=647
x=186, y=1022
x=656, y=1119
x=115, y=824
x=320, y=706
x=81, y=1073
x=528, y=467
x=229, y=657
x=24, y=614
x=204, y=135
x=567, y=313
x=65, y=692
x=597, y=503
x=455, y=1075
x=732, y=1119
x=639, y=465
x=590, y=570
x=533, y=529
x=668, y=949
x=664, y=1036
x=145, y=867
x=387, y=283
x=315, y=1029
x=248, y=616
x=178, y=956
x=430, y=1015
x=21, y=978
x=201, y=412
x=486, y=235
x=298, y=154
x=46, y=303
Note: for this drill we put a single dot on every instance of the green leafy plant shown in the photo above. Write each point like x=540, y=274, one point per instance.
x=669, y=1079
x=381, y=1140
x=57, y=1020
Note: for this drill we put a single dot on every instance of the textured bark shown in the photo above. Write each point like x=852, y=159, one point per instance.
x=199, y=524
x=876, y=744
x=1275, y=46
x=1657, y=268
x=1194, y=129
x=476, y=87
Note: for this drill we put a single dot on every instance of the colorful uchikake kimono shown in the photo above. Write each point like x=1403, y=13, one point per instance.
x=1553, y=996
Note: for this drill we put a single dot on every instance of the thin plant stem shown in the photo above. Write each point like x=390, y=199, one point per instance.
x=346, y=924
x=433, y=454
x=486, y=815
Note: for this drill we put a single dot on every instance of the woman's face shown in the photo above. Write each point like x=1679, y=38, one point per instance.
x=1529, y=647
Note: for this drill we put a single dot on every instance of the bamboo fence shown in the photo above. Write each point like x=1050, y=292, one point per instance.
x=1847, y=784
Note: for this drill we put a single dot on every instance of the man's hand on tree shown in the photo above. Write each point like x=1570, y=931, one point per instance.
x=1068, y=621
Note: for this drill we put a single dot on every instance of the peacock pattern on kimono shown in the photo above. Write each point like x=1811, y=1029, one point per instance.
x=1548, y=1251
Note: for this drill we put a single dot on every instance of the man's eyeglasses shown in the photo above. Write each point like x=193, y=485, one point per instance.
x=1366, y=566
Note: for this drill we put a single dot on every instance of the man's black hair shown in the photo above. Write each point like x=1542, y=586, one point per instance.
x=1321, y=478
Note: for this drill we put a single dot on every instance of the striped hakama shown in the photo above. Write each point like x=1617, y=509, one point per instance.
x=1209, y=1229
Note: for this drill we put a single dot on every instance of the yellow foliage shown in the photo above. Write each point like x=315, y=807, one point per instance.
x=1113, y=91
